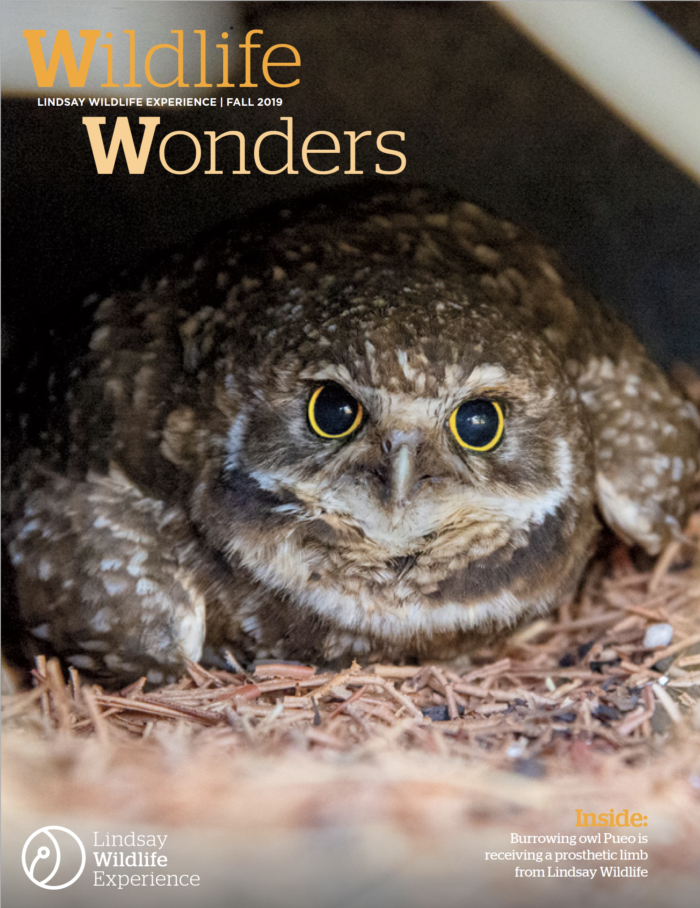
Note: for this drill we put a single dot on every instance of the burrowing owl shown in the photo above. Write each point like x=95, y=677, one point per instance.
x=366, y=426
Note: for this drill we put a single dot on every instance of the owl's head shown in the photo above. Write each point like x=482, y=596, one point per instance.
x=401, y=457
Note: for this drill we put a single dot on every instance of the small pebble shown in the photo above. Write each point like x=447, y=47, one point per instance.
x=606, y=713
x=567, y=660
x=565, y=716
x=597, y=665
x=440, y=713
x=533, y=769
x=658, y=635
x=663, y=665
x=518, y=748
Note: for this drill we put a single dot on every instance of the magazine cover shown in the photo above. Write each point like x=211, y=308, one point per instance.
x=351, y=454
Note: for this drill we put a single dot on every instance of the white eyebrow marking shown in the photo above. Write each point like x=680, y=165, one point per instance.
x=338, y=373
x=485, y=375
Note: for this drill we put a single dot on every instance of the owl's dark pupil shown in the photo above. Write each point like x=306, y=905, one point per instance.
x=335, y=410
x=477, y=422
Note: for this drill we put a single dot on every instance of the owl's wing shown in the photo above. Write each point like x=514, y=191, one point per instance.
x=646, y=442
x=103, y=577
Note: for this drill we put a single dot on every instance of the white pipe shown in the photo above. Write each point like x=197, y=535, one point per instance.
x=630, y=60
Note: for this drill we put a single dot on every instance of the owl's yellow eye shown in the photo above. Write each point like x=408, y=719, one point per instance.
x=477, y=425
x=333, y=412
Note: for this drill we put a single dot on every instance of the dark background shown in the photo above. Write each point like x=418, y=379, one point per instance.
x=484, y=113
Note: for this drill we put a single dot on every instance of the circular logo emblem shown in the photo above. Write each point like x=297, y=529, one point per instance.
x=43, y=852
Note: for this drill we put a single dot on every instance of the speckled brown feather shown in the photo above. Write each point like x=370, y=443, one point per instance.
x=189, y=505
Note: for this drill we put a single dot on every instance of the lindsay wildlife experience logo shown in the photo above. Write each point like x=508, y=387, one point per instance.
x=52, y=849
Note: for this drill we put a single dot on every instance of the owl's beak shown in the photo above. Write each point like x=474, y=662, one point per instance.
x=402, y=475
